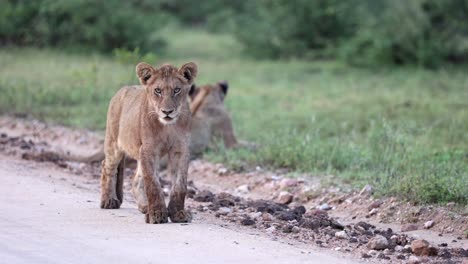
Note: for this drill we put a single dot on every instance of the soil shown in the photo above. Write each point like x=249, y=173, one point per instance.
x=298, y=211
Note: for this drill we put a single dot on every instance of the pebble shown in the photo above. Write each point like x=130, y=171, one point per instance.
x=375, y=204
x=285, y=197
x=247, y=222
x=378, y=242
x=243, y=189
x=428, y=224
x=374, y=211
x=324, y=207
x=295, y=229
x=222, y=171
x=413, y=260
x=255, y=215
x=421, y=247
x=341, y=234
x=399, y=248
x=271, y=229
x=365, y=255
x=224, y=210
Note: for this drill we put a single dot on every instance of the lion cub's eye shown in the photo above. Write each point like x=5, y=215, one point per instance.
x=157, y=91
x=177, y=90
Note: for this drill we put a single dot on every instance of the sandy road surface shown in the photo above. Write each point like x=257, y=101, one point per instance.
x=44, y=219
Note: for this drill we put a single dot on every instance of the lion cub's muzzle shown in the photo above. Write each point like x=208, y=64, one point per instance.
x=168, y=116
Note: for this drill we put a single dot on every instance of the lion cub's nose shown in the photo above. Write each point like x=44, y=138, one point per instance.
x=167, y=112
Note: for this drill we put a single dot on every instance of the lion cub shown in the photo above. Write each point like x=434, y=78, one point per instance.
x=147, y=122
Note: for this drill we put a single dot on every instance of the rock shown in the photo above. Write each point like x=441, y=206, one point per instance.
x=413, y=260
x=204, y=196
x=224, y=210
x=295, y=229
x=378, y=242
x=353, y=240
x=247, y=222
x=409, y=227
x=271, y=229
x=222, y=171
x=367, y=190
x=243, y=189
x=400, y=256
x=285, y=198
x=375, y=204
x=324, y=207
x=267, y=217
x=421, y=247
x=399, y=248
x=372, y=252
x=255, y=215
x=374, y=211
x=365, y=255
x=341, y=234
x=428, y=224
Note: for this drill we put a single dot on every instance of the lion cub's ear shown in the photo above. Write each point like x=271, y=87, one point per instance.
x=144, y=72
x=189, y=71
x=193, y=91
x=224, y=86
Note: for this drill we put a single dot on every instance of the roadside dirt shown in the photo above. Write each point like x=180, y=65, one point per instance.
x=298, y=211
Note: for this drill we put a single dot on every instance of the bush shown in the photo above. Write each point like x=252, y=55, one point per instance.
x=282, y=28
x=88, y=24
x=422, y=32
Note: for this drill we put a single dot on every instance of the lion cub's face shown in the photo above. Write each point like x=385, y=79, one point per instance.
x=167, y=88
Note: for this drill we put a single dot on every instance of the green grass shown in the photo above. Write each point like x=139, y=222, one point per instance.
x=403, y=130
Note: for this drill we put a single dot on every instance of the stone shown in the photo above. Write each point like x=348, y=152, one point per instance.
x=378, y=242
x=222, y=171
x=271, y=229
x=399, y=248
x=365, y=255
x=247, y=222
x=243, y=189
x=409, y=227
x=341, y=234
x=324, y=207
x=224, y=210
x=285, y=198
x=295, y=229
x=413, y=260
x=428, y=224
x=204, y=196
x=255, y=215
x=374, y=211
x=375, y=204
x=421, y=247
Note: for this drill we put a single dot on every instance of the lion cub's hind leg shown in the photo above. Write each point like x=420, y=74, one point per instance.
x=138, y=190
x=112, y=180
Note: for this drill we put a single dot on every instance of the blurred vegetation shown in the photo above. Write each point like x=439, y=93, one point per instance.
x=426, y=33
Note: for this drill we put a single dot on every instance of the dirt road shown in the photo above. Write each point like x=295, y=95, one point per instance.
x=45, y=218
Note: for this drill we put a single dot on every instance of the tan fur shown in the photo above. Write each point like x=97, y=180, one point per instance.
x=210, y=118
x=147, y=122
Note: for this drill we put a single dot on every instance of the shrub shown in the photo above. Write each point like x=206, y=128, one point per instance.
x=98, y=25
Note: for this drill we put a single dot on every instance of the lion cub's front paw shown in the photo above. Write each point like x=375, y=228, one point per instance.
x=156, y=217
x=110, y=203
x=182, y=216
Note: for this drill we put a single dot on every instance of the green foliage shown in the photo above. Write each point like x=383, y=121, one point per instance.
x=125, y=56
x=282, y=28
x=422, y=32
x=83, y=24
